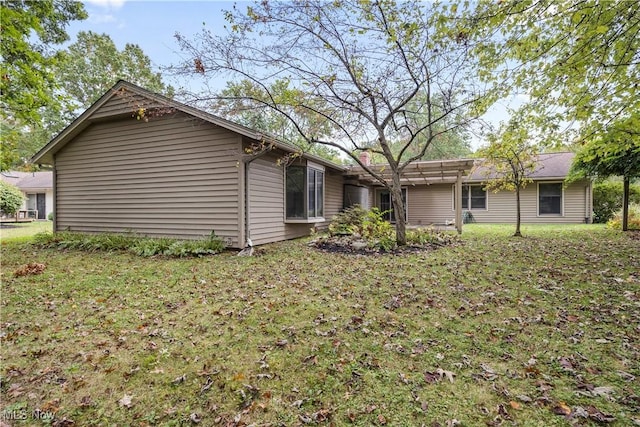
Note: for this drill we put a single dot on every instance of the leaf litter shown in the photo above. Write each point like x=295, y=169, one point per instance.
x=475, y=334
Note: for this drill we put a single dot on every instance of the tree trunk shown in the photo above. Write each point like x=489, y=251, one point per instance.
x=625, y=204
x=517, y=233
x=399, y=212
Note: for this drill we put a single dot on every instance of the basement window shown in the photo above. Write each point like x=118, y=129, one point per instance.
x=304, y=194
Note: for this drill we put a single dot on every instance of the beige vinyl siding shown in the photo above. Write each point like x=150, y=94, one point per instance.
x=124, y=102
x=171, y=176
x=333, y=195
x=429, y=204
x=502, y=206
x=266, y=203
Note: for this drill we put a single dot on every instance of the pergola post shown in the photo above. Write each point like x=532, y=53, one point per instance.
x=459, y=202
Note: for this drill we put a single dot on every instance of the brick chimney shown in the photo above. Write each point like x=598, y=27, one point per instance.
x=365, y=158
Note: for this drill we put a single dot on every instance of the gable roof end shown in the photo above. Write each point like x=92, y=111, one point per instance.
x=45, y=155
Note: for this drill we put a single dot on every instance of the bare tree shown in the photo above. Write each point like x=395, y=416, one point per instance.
x=357, y=66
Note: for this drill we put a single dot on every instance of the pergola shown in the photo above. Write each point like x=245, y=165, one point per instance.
x=422, y=173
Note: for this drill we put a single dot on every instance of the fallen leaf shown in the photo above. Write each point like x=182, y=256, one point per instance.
x=182, y=378
x=430, y=377
x=447, y=374
x=126, y=401
x=561, y=409
x=604, y=391
x=515, y=405
x=32, y=268
x=86, y=401
x=599, y=416
x=381, y=419
x=321, y=416
x=626, y=376
x=51, y=406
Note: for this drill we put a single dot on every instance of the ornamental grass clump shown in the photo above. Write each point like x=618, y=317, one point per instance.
x=634, y=218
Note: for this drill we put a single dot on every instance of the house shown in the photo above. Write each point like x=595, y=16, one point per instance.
x=546, y=200
x=138, y=161
x=37, y=189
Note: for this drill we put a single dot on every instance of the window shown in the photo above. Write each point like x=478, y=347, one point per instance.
x=472, y=195
x=385, y=203
x=304, y=193
x=550, y=199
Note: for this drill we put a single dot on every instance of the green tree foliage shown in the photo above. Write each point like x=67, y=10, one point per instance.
x=358, y=67
x=237, y=102
x=84, y=72
x=607, y=198
x=11, y=198
x=29, y=30
x=616, y=153
x=509, y=159
x=577, y=60
x=93, y=64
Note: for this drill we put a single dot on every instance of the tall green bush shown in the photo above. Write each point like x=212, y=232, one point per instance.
x=11, y=198
x=607, y=199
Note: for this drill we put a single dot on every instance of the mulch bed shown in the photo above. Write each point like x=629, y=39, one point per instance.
x=346, y=246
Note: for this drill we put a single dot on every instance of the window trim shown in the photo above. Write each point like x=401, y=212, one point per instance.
x=469, y=208
x=561, y=214
x=306, y=219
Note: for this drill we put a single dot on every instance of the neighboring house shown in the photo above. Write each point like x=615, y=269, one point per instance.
x=137, y=161
x=37, y=188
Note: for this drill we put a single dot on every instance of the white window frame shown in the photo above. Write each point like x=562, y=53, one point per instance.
x=561, y=214
x=486, y=198
x=307, y=219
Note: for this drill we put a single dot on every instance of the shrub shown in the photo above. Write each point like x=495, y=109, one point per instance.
x=607, y=199
x=142, y=246
x=634, y=218
x=348, y=222
x=367, y=225
x=50, y=216
x=11, y=198
x=375, y=227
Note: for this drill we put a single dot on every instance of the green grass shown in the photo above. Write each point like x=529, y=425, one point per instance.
x=11, y=232
x=295, y=336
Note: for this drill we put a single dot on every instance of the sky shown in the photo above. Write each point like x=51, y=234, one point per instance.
x=152, y=24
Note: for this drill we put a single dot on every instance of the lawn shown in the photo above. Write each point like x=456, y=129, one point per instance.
x=23, y=231
x=538, y=331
